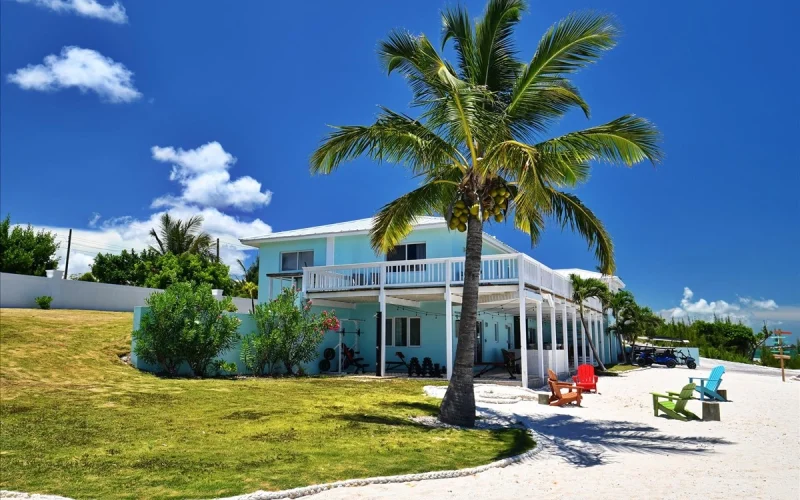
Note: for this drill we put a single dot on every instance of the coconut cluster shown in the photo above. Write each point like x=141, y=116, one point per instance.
x=494, y=203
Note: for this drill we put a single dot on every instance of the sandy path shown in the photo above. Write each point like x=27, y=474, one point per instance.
x=614, y=445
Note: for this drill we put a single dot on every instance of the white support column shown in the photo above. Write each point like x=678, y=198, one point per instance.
x=330, y=250
x=564, y=334
x=553, y=324
x=382, y=361
x=600, y=327
x=523, y=328
x=583, y=340
x=382, y=300
x=540, y=341
x=575, y=336
x=591, y=336
x=448, y=301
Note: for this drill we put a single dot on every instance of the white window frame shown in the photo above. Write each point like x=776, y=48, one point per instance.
x=390, y=331
x=298, y=252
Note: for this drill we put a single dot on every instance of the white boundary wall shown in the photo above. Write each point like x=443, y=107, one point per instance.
x=17, y=290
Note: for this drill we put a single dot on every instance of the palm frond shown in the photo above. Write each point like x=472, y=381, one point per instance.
x=395, y=220
x=393, y=138
x=417, y=60
x=496, y=56
x=457, y=26
x=546, y=101
x=571, y=212
x=569, y=45
x=627, y=140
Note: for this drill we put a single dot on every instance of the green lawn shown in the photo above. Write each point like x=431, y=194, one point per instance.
x=622, y=368
x=76, y=421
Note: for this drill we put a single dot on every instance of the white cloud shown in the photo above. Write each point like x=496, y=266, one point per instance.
x=767, y=305
x=86, y=69
x=747, y=311
x=94, y=219
x=86, y=8
x=114, y=235
x=203, y=173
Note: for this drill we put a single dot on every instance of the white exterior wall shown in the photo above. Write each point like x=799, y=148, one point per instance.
x=18, y=290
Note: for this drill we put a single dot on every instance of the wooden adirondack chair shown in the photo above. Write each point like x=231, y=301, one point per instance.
x=558, y=398
x=709, y=386
x=586, y=379
x=676, y=406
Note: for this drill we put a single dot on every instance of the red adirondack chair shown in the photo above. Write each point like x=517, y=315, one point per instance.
x=586, y=379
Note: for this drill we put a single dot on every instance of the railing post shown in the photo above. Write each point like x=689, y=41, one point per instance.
x=306, y=275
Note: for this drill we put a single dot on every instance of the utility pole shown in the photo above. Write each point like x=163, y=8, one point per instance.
x=69, y=244
x=217, y=250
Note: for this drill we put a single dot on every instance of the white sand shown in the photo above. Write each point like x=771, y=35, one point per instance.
x=615, y=446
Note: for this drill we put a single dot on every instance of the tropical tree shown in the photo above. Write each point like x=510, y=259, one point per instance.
x=249, y=273
x=477, y=145
x=617, y=303
x=25, y=251
x=582, y=290
x=178, y=237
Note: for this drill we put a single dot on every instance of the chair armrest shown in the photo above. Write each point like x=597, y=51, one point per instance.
x=575, y=378
x=692, y=379
x=665, y=396
x=596, y=378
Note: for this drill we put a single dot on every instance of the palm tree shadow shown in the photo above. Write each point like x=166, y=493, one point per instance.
x=586, y=443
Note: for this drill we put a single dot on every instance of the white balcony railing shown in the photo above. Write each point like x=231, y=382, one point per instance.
x=495, y=269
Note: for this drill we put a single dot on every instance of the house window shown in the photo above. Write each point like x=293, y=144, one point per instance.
x=411, y=251
x=296, y=261
x=403, y=332
x=496, y=332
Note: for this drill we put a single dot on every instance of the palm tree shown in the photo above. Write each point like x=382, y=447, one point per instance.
x=585, y=289
x=249, y=273
x=178, y=237
x=477, y=145
x=619, y=302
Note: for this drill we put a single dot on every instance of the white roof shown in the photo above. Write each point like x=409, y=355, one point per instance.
x=350, y=227
x=583, y=273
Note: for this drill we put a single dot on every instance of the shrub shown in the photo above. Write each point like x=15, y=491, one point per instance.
x=260, y=349
x=44, y=301
x=88, y=276
x=287, y=333
x=24, y=251
x=186, y=323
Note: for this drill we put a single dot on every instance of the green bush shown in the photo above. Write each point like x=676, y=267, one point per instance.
x=286, y=332
x=44, y=301
x=260, y=349
x=186, y=323
x=24, y=251
x=723, y=354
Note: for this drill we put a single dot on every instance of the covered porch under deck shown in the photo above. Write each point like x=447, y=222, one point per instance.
x=500, y=314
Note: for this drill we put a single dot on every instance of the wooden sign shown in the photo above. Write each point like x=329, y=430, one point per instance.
x=782, y=356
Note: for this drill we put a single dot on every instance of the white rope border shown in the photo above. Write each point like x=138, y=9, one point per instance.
x=422, y=476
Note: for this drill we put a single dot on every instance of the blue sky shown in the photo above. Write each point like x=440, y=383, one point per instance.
x=257, y=82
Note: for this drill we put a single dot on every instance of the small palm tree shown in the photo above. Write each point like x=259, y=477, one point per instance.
x=179, y=237
x=249, y=273
x=619, y=302
x=250, y=289
x=478, y=145
x=585, y=289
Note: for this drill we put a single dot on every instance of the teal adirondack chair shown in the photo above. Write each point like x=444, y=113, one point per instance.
x=676, y=406
x=709, y=386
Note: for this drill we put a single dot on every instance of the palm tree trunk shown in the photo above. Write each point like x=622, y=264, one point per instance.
x=622, y=348
x=458, y=405
x=589, y=340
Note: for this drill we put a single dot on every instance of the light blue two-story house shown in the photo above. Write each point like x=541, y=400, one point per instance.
x=409, y=300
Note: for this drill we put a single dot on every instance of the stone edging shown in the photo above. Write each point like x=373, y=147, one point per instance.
x=349, y=483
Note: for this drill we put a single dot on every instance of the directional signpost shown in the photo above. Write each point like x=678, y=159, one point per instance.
x=780, y=354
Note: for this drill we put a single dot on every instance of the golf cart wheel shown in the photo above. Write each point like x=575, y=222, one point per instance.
x=691, y=365
x=329, y=353
x=324, y=365
x=641, y=362
x=670, y=364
